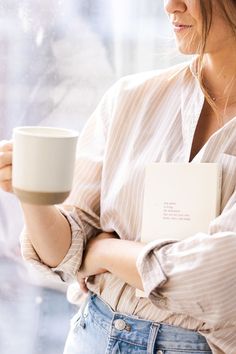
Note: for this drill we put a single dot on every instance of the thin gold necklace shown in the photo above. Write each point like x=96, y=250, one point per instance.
x=217, y=99
x=226, y=101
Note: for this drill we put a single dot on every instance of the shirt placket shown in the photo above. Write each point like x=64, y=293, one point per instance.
x=190, y=117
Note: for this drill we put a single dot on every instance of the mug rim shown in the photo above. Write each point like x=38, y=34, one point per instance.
x=28, y=130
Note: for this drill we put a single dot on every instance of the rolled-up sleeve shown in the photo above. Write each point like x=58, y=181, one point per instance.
x=66, y=270
x=82, y=207
x=196, y=276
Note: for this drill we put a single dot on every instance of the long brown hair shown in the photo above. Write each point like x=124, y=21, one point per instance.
x=228, y=10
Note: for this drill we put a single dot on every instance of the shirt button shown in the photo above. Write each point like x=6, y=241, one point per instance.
x=162, y=302
x=120, y=325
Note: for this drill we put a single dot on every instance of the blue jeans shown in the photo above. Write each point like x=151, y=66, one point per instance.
x=96, y=329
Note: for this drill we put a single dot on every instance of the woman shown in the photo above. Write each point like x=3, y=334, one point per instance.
x=186, y=113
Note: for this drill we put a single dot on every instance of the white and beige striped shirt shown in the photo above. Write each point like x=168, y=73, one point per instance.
x=192, y=283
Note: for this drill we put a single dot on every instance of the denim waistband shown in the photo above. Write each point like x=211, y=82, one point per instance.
x=137, y=331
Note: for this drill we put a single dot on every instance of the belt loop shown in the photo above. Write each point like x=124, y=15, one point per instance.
x=82, y=318
x=154, y=329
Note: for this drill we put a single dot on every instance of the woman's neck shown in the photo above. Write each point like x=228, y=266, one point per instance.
x=219, y=73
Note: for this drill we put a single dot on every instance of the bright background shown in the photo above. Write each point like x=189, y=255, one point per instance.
x=57, y=58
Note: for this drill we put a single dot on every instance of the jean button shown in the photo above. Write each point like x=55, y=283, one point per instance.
x=120, y=325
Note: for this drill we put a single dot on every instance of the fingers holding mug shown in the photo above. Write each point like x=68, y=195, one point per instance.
x=6, y=186
x=6, y=145
x=6, y=165
x=5, y=159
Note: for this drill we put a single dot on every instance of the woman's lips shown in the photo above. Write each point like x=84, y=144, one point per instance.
x=178, y=27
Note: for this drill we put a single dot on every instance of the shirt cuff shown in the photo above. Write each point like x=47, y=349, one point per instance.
x=150, y=269
x=67, y=269
x=71, y=263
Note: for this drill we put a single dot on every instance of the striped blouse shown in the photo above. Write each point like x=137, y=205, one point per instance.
x=144, y=118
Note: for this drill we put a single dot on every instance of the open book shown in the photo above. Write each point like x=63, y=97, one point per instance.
x=180, y=200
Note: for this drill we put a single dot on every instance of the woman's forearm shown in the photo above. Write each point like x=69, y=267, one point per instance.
x=49, y=232
x=119, y=258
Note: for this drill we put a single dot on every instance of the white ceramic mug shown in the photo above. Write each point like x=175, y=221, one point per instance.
x=43, y=164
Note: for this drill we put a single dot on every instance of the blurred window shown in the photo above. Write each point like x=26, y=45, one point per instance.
x=58, y=57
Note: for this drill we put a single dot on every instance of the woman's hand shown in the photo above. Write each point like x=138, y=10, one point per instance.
x=6, y=165
x=92, y=259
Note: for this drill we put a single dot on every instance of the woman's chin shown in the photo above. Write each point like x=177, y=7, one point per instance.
x=186, y=49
